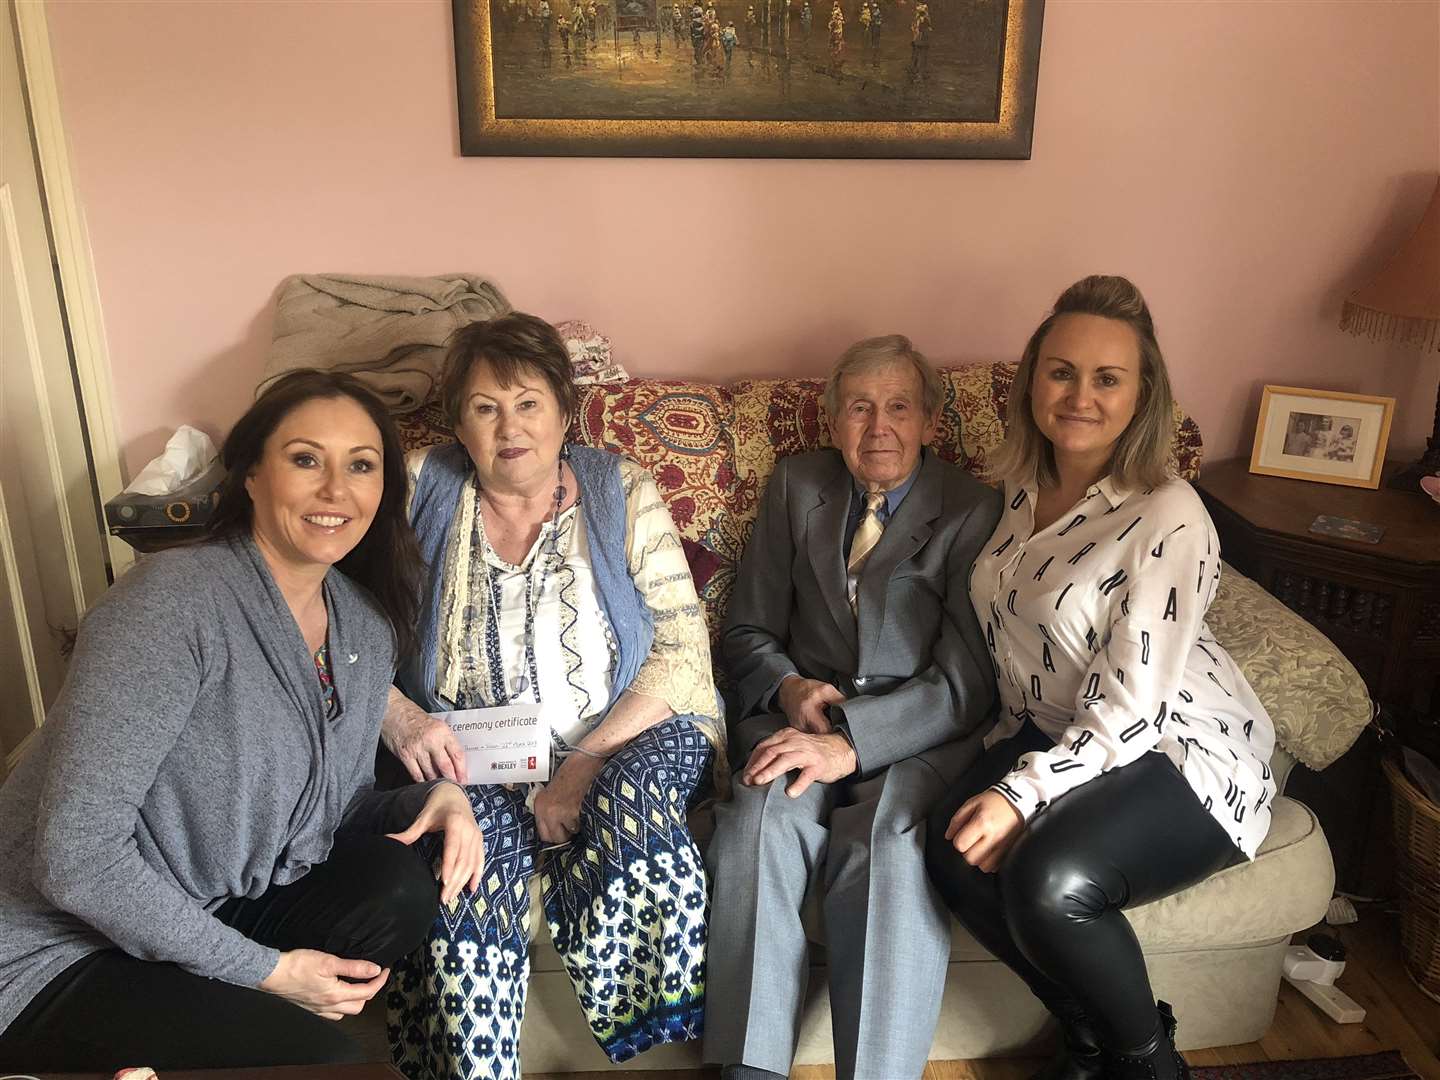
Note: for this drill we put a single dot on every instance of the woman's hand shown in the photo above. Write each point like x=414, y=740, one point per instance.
x=984, y=828
x=557, y=807
x=425, y=746
x=447, y=811
x=316, y=981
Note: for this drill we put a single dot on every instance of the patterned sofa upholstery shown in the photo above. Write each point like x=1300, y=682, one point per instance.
x=1214, y=950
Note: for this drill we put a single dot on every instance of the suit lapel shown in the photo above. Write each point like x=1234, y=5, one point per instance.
x=906, y=534
x=825, y=537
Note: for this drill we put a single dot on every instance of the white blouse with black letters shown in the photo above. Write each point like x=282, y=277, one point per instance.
x=1096, y=626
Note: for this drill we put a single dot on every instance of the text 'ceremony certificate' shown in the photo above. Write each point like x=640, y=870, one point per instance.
x=505, y=744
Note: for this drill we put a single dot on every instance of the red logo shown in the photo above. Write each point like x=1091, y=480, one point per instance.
x=530, y=763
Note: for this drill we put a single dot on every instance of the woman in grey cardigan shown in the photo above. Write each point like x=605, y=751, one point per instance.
x=193, y=846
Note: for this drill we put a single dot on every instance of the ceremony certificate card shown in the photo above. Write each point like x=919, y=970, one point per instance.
x=506, y=744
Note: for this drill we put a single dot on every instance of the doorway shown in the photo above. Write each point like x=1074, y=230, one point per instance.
x=52, y=540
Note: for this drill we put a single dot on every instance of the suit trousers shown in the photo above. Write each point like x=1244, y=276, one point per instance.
x=373, y=899
x=857, y=848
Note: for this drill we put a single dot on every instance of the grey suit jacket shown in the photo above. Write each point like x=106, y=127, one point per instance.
x=913, y=664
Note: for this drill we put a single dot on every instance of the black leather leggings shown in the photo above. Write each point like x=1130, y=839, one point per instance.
x=1052, y=912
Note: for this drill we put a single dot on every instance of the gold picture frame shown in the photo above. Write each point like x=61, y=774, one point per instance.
x=1326, y=436
x=777, y=81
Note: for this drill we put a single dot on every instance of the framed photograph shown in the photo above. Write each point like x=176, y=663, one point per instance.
x=748, y=78
x=1322, y=435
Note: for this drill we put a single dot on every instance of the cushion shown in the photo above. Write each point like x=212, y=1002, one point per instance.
x=589, y=353
x=680, y=432
x=1315, y=698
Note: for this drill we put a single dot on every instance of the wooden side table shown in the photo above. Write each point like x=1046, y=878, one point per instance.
x=1380, y=605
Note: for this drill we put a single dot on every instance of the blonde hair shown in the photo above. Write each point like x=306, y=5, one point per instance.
x=877, y=353
x=1141, y=457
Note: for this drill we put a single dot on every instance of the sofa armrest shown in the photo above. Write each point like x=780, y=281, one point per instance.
x=1315, y=697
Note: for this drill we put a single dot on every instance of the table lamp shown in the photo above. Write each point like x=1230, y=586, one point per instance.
x=1402, y=303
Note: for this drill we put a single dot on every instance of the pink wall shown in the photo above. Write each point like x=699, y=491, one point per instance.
x=1245, y=163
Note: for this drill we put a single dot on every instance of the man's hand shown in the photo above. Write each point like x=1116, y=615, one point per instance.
x=803, y=701
x=557, y=807
x=447, y=810
x=818, y=758
x=425, y=746
x=984, y=829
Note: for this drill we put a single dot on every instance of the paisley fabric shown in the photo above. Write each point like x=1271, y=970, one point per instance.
x=625, y=903
x=680, y=432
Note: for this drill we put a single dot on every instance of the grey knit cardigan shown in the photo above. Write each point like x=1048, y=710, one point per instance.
x=188, y=760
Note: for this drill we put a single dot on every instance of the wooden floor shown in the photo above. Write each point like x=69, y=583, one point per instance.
x=1398, y=1017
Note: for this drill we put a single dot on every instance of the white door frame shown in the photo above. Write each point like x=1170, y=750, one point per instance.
x=80, y=293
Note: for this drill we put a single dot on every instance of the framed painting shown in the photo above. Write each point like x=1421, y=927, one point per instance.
x=748, y=78
x=1322, y=435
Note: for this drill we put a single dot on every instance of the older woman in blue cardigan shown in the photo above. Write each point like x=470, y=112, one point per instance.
x=557, y=580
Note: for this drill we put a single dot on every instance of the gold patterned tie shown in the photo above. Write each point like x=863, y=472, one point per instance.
x=867, y=535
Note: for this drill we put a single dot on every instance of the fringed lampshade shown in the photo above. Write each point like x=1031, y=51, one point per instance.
x=1402, y=303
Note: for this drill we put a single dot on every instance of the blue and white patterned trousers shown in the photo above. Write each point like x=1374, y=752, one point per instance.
x=626, y=903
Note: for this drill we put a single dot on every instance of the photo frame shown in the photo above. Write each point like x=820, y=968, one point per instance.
x=1322, y=435
x=748, y=78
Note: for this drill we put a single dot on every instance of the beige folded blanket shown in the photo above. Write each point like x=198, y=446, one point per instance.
x=389, y=331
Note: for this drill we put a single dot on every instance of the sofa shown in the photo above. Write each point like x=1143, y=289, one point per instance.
x=1213, y=950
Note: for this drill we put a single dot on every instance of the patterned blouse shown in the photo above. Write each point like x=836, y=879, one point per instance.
x=574, y=645
x=327, y=682
x=1096, y=627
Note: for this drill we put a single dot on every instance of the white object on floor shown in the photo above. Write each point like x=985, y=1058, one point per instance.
x=1332, y=1001
x=1312, y=969
x=1341, y=912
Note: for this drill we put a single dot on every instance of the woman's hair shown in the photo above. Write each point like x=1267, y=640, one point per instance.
x=510, y=345
x=876, y=354
x=387, y=560
x=1142, y=453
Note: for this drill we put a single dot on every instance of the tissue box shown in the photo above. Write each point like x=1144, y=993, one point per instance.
x=148, y=521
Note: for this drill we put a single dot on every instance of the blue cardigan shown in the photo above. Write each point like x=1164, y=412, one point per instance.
x=444, y=474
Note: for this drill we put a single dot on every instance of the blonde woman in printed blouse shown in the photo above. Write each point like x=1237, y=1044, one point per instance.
x=1131, y=757
x=557, y=579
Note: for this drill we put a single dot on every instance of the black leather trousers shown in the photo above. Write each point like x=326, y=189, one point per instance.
x=1054, y=911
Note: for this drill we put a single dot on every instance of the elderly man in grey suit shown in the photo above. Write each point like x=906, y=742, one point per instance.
x=861, y=689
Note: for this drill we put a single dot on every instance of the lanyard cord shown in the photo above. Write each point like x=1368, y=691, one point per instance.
x=499, y=692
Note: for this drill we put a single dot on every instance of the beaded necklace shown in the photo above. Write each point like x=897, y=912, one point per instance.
x=500, y=694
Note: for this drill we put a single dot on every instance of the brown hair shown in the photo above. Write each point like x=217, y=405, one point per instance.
x=876, y=353
x=1141, y=457
x=511, y=345
x=387, y=560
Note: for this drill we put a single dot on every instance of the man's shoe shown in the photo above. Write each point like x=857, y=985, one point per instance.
x=1159, y=1060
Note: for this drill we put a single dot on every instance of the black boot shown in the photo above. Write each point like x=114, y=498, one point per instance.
x=1157, y=1060
x=1079, y=1056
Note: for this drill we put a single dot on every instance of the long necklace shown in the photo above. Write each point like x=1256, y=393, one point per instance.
x=500, y=693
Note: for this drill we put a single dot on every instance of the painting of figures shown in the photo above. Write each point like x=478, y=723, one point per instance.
x=796, y=78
